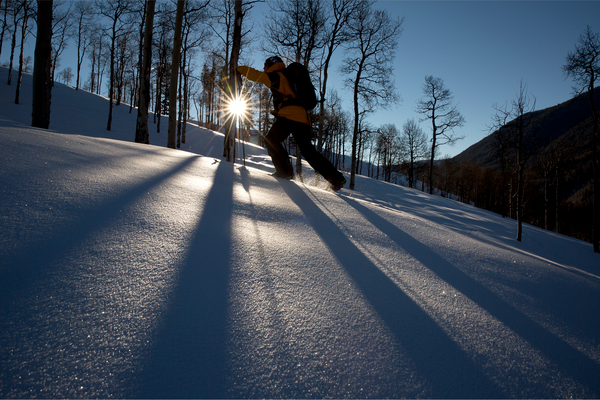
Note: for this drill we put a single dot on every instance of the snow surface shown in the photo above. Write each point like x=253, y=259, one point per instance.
x=137, y=271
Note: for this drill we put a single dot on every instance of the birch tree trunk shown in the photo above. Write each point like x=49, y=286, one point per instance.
x=229, y=145
x=172, y=133
x=23, y=35
x=40, y=108
x=141, y=131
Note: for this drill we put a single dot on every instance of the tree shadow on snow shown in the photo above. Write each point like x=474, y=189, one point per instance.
x=23, y=270
x=188, y=356
x=429, y=347
x=570, y=362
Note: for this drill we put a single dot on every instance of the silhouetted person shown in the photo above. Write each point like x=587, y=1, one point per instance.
x=292, y=119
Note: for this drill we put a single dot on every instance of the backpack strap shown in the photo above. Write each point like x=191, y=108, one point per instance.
x=275, y=79
x=279, y=100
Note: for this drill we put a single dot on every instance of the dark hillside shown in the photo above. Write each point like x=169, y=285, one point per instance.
x=549, y=123
x=558, y=187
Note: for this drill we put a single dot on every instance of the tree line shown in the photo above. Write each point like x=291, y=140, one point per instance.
x=544, y=181
x=132, y=60
x=171, y=56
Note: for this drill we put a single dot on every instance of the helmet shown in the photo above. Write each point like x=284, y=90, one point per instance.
x=272, y=61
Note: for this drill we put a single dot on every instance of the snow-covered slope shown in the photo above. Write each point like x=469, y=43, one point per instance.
x=138, y=271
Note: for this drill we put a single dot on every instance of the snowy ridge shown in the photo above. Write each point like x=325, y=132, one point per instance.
x=138, y=271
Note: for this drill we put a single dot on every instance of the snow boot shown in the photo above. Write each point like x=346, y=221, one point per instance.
x=283, y=175
x=338, y=185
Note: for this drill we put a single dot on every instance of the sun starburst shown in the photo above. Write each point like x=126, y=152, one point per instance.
x=237, y=106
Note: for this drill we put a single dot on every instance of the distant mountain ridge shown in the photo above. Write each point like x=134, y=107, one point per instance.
x=567, y=121
x=558, y=170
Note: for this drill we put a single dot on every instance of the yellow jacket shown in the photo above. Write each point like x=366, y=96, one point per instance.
x=280, y=87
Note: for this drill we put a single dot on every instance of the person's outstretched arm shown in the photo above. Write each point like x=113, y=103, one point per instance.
x=254, y=75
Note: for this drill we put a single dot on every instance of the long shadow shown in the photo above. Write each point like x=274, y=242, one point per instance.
x=571, y=362
x=429, y=347
x=188, y=356
x=21, y=269
x=25, y=271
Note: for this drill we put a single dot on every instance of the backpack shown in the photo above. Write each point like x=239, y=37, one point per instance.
x=299, y=79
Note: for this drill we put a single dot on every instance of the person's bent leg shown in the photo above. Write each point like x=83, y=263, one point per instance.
x=322, y=165
x=278, y=133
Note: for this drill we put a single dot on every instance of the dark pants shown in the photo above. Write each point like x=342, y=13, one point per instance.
x=280, y=130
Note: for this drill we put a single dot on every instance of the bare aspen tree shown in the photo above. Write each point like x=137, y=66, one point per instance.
x=142, y=134
x=294, y=28
x=114, y=11
x=171, y=135
x=94, y=57
x=503, y=146
x=27, y=13
x=365, y=132
x=216, y=78
x=523, y=107
x=210, y=92
x=234, y=79
x=142, y=15
x=437, y=106
x=337, y=17
x=5, y=22
x=62, y=24
x=388, y=149
x=372, y=47
x=42, y=88
x=164, y=44
x=229, y=16
x=583, y=66
x=81, y=11
x=16, y=14
x=515, y=122
x=413, y=144
x=224, y=14
x=194, y=33
x=550, y=165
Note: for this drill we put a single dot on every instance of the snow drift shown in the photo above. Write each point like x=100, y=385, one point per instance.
x=138, y=271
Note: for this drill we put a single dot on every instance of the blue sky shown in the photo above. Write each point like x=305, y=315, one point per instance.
x=481, y=49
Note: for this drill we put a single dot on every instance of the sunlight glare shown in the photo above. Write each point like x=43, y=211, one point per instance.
x=237, y=107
